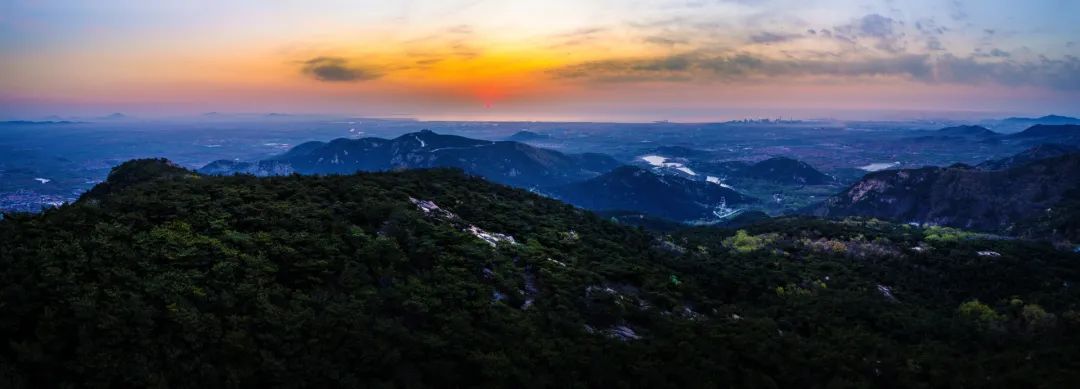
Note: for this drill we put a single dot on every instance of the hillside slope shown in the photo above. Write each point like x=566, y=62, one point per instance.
x=1045, y=133
x=785, y=171
x=958, y=195
x=781, y=170
x=631, y=188
x=161, y=277
x=1030, y=155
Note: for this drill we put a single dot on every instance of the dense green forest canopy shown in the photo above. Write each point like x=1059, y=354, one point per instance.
x=161, y=277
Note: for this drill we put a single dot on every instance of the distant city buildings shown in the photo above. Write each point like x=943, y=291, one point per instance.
x=29, y=201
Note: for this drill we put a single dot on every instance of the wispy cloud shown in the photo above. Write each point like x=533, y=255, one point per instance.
x=577, y=37
x=453, y=41
x=744, y=67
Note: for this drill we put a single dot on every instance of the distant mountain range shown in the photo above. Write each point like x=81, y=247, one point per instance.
x=780, y=170
x=36, y=123
x=592, y=181
x=54, y=119
x=114, y=116
x=1028, y=156
x=527, y=136
x=507, y=162
x=967, y=131
x=1044, y=131
x=1039, y=133
x=996, y=197
x=630, y=188
x=1048, y=119
x=1015, y=124
x=957, y=134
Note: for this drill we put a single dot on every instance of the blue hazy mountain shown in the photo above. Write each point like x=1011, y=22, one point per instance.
x=1062, y=132
x=1030, y=155
x=506, y=162
x=1015, y=124
x=782, y=170
x=955, y=134
x=630, y=188
x=528, y=136
x=966, y=131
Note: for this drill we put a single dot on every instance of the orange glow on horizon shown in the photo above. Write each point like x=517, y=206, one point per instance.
x=436, y=57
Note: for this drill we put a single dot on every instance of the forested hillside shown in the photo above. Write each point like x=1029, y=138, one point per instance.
x=1007, y=201
x=161, y=277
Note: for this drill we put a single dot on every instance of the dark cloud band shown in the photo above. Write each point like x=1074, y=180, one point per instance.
x=336, y=69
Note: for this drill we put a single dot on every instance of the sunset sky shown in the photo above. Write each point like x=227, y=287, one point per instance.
x=541, y=60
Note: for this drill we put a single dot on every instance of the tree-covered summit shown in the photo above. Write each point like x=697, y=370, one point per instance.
x=163, y=277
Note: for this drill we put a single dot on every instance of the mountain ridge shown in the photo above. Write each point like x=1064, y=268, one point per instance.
x=507, y=162
x=778, y=169
x=960, y=196
x=1035, y=153
x=1048, y=130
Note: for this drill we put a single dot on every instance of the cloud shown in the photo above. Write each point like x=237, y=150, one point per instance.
x=934, y=44
x=930, y=27
x=336, y=69
x=668, y=68
x=957, y=11
x=876, y=26
x=770, y=37
x=884, y=31
x=740, y=66
x=664, y=41
x=745, y=2
x=1061, y=73
x=577, y=37
x=454, y=41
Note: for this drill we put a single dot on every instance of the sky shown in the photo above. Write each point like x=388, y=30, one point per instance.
x=617, y=60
